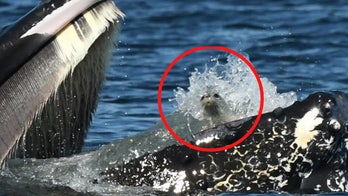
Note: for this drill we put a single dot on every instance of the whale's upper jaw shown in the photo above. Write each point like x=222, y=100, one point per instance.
x=39, y=53
x=20, y=41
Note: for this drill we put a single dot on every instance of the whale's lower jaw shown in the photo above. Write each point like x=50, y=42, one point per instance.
x=47, y=104
x=298, y=149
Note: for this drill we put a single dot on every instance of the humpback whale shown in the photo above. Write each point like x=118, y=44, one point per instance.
x=298, y=149
x=52, y=66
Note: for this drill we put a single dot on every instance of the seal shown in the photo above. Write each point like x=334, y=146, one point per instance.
x=52, y=64
x=289, y=149
x=215, y=108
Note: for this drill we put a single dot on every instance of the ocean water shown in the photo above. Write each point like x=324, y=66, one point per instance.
x=299, y=47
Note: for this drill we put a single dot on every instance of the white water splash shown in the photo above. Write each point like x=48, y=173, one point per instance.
x=235, y=83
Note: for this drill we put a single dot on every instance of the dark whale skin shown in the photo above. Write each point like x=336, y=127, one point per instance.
x=298, y=149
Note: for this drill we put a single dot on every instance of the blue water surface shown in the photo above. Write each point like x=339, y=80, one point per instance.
x=300, y=46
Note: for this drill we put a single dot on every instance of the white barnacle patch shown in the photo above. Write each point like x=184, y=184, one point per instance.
x=279, y=154
x=279, y=182
x=341, y=180
x=172, y=179
x=335, y=124
x=305, y=126
x=337, y=182
x=202, y=171
x=327, y=143
x=146, y=163
x=317, y=187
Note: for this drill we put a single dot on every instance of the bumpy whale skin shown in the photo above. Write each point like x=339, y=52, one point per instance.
x=298, y=149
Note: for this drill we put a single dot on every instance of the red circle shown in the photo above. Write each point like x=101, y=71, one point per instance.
x=175, y=61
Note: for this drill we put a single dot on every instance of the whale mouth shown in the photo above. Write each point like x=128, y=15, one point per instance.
x=41, y=25
x=52, y=66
